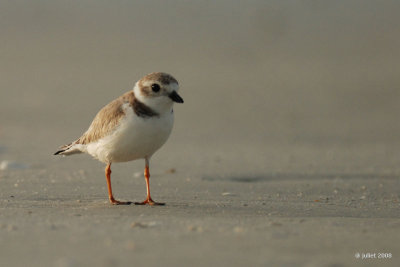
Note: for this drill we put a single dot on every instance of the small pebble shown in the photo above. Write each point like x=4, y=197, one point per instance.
x=143, y=224
x=172, y=170
x=238, y=230
x=228, y=194
x=363, y=187
x=194, y=228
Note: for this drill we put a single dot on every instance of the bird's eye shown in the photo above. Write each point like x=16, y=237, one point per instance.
x=155, y=87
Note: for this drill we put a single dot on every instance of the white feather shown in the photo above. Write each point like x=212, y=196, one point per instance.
x=134, y=138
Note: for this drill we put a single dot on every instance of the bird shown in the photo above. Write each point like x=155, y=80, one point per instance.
x=131, y=127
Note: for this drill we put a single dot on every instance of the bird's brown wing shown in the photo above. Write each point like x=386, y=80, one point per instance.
x=106, y=119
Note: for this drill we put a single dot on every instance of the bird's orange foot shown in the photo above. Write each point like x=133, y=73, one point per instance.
x=150, y=202
x=117, y=202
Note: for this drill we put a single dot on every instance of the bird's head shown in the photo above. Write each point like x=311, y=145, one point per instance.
x=158, y=90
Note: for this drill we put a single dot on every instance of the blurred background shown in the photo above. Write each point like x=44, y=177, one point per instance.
x=271, y=85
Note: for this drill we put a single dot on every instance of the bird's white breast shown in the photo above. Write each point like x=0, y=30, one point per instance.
x=134, y=138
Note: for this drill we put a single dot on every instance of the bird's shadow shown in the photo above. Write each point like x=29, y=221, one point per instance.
x=294, y=177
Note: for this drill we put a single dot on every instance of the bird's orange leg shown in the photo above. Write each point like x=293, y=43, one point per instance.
x=148, y=200
x=110, y=194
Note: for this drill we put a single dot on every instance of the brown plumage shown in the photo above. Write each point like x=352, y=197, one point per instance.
x=109, y=117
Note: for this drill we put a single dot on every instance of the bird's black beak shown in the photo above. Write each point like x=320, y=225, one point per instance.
x=175, y=97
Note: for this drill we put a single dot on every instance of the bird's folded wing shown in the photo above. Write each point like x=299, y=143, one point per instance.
x=106, y=119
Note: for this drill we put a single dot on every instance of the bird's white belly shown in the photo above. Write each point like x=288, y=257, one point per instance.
x=134, y=138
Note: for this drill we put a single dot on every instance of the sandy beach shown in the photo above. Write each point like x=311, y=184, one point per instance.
x=286, y=151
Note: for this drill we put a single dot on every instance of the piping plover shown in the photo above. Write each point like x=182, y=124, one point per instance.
x=131, y=127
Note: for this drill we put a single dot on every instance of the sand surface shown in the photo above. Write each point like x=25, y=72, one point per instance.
x=286, y=151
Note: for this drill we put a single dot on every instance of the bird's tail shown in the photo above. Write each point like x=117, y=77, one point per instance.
x=69, y=149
